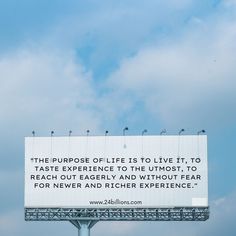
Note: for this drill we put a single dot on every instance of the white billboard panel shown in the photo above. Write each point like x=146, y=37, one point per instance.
x=116, y=171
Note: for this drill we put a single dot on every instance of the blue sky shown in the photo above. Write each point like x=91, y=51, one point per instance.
x=110, y=64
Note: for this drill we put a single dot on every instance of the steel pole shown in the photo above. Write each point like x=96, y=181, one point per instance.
x=84, y=228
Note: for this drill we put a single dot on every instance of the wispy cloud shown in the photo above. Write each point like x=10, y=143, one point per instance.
x=229, y=3
x=190, y=81
x=46, y=89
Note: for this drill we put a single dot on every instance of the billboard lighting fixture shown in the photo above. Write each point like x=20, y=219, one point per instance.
x=144, y=131
x=106, y=132
x=70, y=132
x=163, y=132
x=87, y=132
x=52, y=133
x=125, y=129
x=201, y=131
x=33, y=133
x=181, y=131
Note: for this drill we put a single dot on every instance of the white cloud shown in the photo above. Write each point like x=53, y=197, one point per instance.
x=107, y=31
x=9, y=223
x=189, y=81
x=229, y=3
x=46, y=90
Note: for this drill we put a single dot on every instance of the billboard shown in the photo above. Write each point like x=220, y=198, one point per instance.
x=116, y=171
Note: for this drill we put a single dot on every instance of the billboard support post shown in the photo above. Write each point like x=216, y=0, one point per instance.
x=84, y=226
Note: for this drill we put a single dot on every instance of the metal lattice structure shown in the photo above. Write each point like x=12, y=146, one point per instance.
x=117, y=214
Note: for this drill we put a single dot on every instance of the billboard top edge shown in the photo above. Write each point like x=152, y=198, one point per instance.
x=151, y=135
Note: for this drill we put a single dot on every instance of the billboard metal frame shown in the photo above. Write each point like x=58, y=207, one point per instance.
x=117, y=214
